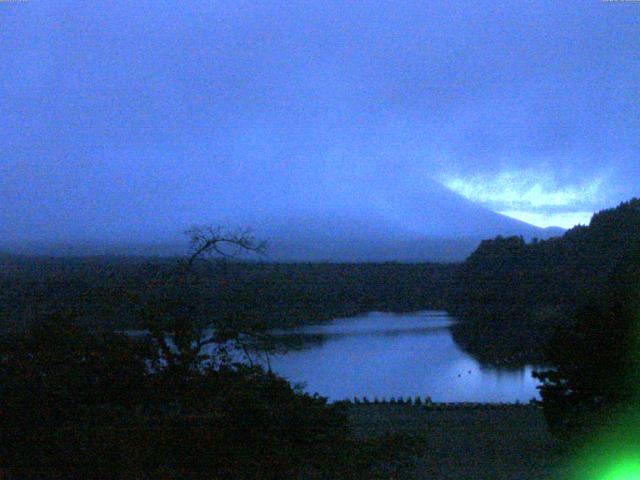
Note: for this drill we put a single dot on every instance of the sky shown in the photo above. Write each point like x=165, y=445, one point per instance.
x=134, y=119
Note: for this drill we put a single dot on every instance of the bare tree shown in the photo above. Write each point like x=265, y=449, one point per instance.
x=217, y=241
x=188, y=339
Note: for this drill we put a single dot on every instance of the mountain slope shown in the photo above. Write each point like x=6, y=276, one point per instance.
x=382, y=221
x=394, y=223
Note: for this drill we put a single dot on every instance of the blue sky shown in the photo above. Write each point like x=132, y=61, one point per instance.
x=129, y=119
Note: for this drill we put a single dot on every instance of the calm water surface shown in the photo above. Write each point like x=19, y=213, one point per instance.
x=392, y=355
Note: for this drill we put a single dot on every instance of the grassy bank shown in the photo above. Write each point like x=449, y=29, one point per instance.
x=462, y=443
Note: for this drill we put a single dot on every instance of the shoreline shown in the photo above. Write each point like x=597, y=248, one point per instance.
x=439, y=406
x=510, y=442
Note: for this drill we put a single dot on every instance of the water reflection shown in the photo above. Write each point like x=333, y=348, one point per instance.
x=393, y=355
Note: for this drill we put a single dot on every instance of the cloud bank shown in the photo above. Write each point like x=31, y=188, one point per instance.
x=134, y=119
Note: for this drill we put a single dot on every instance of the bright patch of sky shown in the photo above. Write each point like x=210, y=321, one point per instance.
x=544, y=220
x=532, y=197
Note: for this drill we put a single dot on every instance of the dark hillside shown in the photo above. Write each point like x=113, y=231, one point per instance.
x=107, y=291
x=514, y=293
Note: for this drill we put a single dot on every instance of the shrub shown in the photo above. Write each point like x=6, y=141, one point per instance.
x=596, y=363
x=76, y=404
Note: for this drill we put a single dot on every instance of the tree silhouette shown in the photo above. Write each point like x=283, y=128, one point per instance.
x=169, y=318
x=76, y=403
x=596, y=358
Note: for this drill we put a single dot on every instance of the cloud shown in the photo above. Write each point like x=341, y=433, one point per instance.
x=148, y=110
x=533, y=196
x=565, y=220
x=527, y=189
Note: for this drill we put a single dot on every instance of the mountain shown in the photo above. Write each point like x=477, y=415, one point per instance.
x=387, y=221
x=431, y=223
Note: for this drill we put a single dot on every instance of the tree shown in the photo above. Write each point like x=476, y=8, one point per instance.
x=512, y=294
x=180, y=339
x=81, y=404
x=58, y=382
x=596, y=358
x=207, y=241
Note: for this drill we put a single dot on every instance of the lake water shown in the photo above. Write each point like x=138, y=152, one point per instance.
x=395, y=355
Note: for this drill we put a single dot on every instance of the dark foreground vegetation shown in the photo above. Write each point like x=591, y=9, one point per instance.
x=513, y=295
x=78, y=400
x=594, y=381
x=76, y=404
x=79, y=404
x=580, y=297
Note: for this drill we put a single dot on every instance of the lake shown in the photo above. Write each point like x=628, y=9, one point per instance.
x=395, y=355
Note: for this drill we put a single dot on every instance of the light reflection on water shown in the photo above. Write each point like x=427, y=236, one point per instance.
x=385, y=355
x=395, y=355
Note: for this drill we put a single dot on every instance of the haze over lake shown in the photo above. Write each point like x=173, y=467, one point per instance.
x=395, y=355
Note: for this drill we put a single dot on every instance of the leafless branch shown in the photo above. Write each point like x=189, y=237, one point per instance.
x=207, y=241
x=188, y=341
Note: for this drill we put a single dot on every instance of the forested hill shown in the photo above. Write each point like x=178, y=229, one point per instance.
x=524, y=289
x=109, y=291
